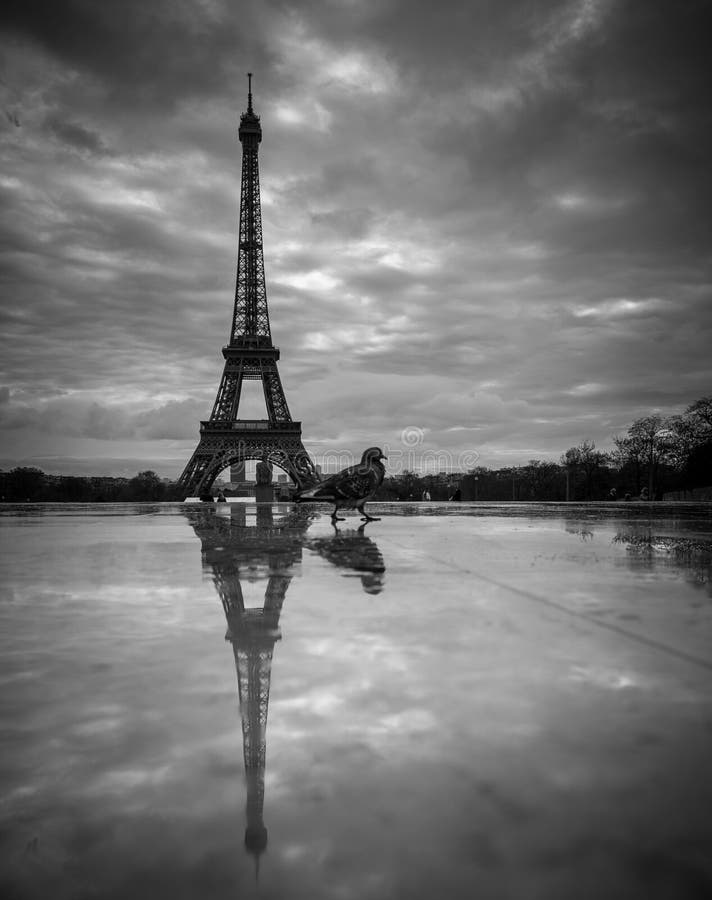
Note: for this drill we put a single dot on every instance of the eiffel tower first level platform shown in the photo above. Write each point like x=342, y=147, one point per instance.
x=225, y=439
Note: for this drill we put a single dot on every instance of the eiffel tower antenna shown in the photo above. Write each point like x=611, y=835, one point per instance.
x=225, y=439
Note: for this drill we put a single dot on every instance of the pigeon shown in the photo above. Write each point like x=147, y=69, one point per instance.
x=352, y=487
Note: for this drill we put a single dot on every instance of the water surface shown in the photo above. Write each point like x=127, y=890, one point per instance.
x=501, y=701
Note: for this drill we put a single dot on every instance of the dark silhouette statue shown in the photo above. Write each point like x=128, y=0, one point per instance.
x=263, y=471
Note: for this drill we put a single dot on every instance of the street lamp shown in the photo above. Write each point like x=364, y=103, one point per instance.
x=666, y=434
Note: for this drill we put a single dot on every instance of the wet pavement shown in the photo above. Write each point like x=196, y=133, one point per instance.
x=457, y=701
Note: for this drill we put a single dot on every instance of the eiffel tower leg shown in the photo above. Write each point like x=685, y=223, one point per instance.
x=275, y=594
x=296, y=462
x=230, y=592
x=228, y=396
x=205, y=465
x=201, y=471
x=191, y=481
x=277, y=408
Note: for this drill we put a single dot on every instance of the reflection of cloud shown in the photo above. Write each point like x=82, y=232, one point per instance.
x=404, y=723
x=606, y=678
x=320, y=703
x=120, y=781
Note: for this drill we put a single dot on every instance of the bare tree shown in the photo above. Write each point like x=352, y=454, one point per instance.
x=650, y=441
x=586, y=460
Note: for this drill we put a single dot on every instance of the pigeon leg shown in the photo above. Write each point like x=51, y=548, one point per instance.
x=366, y=517
x=334, y=517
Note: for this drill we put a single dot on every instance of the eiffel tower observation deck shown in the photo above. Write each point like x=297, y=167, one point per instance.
x=225, y=438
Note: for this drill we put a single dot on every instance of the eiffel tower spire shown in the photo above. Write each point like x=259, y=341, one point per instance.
x=225, y=439
x=250, y=323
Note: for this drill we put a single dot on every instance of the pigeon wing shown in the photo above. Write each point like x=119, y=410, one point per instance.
x=353, y=483
x=355, y=486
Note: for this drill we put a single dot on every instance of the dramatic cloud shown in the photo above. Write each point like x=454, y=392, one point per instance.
x=485, y=221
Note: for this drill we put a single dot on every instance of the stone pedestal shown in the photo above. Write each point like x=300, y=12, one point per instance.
x=264, y=493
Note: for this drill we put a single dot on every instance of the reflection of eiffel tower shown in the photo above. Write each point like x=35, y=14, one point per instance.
x=269, y=550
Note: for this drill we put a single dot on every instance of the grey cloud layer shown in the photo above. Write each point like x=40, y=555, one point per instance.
x=491, y=215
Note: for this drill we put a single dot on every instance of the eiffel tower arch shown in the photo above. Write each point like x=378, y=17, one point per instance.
x=225, y=439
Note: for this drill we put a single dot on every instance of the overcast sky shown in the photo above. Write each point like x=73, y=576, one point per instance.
x=488, y=220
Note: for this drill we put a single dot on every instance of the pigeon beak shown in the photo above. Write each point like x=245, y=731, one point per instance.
x=383, y=457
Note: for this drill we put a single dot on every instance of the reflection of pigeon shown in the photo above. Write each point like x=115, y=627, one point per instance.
x=352, y=487
x=357, y=554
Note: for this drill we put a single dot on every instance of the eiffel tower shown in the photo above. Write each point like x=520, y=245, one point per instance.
x=225, y=439
x=231, y=550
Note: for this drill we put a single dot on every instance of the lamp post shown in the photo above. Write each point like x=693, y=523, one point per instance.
x=654, y=457
x=477, y=478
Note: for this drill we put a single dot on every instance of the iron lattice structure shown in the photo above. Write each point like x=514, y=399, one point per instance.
x=268, y=551
x=225, y=439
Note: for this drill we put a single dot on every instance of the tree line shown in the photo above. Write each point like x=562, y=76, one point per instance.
x=655, y=456
x=26, y=484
